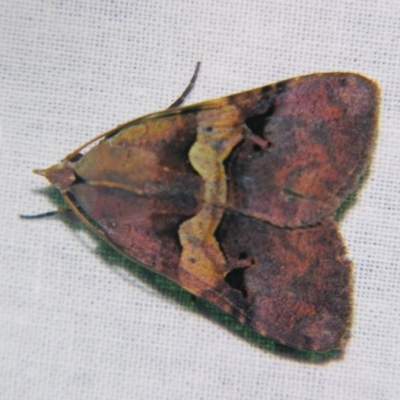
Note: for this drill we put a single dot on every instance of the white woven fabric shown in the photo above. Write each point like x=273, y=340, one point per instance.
x=74, y=323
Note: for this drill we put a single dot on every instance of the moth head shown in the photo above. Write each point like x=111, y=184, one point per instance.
x=60, y=175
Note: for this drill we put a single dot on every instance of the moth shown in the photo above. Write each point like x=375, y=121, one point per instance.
x=232, y=199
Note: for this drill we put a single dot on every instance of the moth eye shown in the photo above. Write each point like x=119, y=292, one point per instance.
x=208, y=128
x=243, y=255
x=257, y=147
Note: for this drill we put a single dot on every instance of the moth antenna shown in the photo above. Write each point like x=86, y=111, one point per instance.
x=42, y=215
x=188, y=89
x=62, y=212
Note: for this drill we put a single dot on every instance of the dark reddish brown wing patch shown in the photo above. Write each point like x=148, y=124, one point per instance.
x=296, y=282
x=318, y=132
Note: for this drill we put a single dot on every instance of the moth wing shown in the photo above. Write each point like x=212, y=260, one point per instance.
x=318, y=133
x=294, y=284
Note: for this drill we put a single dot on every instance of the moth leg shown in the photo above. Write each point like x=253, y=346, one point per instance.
x=188, y=89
